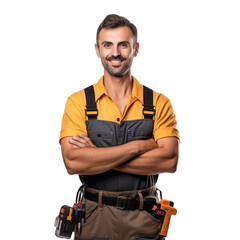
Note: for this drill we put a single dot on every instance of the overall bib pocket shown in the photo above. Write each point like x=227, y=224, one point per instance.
x=100, y=138
x=139, y=134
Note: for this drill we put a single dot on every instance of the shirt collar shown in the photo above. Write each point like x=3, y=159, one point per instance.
x=99, y=89
x=137, y=90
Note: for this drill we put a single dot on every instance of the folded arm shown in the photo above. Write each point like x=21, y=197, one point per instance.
x=142, y=157
x=82, y=157
x=159, y=160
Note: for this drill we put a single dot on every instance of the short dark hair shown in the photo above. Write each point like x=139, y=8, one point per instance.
x=114, y=21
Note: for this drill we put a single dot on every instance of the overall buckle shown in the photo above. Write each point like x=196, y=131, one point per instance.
x=91, y=112
x=148, y=111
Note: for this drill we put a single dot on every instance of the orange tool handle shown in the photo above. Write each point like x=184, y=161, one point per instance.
x=167, y=206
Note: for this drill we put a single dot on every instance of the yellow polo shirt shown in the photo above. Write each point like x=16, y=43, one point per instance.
x=74, y=118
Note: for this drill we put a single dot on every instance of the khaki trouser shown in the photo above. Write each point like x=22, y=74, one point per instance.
x=111, y=223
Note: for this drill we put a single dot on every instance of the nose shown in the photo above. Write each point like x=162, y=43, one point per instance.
x=116, y=51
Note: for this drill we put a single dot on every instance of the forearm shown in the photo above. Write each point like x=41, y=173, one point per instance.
x=158, y=160
x=97, y=160
x=90, y=160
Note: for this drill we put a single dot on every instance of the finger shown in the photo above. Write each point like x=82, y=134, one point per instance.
x=77, y=147
x=77, y=143
x=93, y=145
x=86, y=140
x=82, y=140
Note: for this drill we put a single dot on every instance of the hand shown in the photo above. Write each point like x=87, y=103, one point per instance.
x=81, y=141
x=150, y=144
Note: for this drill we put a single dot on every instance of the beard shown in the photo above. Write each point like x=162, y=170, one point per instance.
x=116, y=71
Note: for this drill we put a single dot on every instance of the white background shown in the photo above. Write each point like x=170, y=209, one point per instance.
x=189, y=50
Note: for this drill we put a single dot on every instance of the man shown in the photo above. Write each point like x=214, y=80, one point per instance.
x=118, y=136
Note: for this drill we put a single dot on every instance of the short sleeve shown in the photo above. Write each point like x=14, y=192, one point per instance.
x=165, y=120
x=74, y=120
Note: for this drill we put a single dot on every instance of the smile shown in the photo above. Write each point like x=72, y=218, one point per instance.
x=116, y=62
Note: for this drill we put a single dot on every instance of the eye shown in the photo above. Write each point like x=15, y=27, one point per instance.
x=123, y=45
x=107, y=45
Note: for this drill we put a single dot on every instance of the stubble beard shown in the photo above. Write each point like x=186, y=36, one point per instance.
x=116, y=71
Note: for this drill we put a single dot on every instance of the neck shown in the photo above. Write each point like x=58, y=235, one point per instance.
x=118, y=87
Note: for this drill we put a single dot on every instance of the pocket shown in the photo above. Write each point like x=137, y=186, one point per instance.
x=140, y=134
x=100, y=138
x=140, y=129
x=151, y=217
x=100, y=134
x=91, y=211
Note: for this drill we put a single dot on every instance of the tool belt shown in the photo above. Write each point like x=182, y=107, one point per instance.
x=71, y=218
x=123, y=203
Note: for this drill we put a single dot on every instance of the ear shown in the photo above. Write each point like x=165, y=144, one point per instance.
x=97, y=50
x=136, y=49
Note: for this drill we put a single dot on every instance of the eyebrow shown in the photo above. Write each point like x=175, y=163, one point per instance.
x=125, y=42
x=106, y=42
x=118, y=43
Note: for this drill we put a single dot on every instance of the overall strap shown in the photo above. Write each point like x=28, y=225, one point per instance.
x=148, y=108
x=91, y=110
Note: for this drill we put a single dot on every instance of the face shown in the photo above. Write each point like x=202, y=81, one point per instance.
x=116, y=50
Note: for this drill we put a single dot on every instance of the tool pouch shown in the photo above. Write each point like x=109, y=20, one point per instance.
x=161, y=211
x=70, y=218
x=65, y=222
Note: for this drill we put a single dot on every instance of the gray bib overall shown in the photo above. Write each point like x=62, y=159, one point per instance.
x=107, y=133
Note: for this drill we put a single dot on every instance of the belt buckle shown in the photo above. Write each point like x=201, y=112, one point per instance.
x=121, y=202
